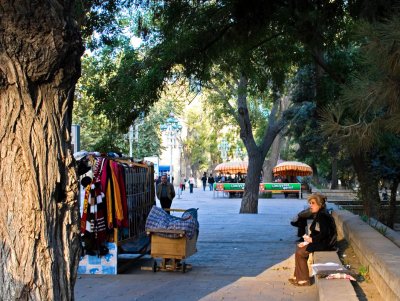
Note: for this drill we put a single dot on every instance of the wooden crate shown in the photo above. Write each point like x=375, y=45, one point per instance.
x=177, y=248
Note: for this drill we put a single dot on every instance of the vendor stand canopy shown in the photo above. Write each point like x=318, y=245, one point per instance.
x=233, y=167
x=292, y=168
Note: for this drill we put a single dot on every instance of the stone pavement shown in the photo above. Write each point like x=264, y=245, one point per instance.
x=240, y=257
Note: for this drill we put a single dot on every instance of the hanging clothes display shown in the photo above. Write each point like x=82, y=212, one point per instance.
x=106, y=206
x=93, y=226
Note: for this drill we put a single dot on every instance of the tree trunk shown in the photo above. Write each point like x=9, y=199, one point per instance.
x=392, y=202
x=368, y=191
x=252, y=186
x=255, y=153
x=273, y=159
x=284, y=103
x=334, y=151
x=315, y=176
x=40, y=49
x=334, y=178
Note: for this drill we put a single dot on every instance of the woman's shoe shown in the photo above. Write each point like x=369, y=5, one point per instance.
x=299, y=283
x=293, y=280
x=303, y=283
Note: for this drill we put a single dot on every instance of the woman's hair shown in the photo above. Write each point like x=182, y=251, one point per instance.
x=319, y=199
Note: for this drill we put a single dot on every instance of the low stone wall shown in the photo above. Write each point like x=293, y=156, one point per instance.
x=374, y=250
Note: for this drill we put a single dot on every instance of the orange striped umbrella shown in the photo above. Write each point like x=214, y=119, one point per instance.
x=292, y=168
x=233, y=167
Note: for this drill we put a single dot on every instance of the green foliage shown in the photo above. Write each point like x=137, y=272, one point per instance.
x=101, y=128
x=104, y=23
x=363, y=271
x=97, y=131
x=386, y=159
x=364, y=218
x=122, y=88
x=382, y=230
x=197, y=141
x=369, y=105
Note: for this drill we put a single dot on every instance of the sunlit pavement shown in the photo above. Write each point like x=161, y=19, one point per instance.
x=240, y=257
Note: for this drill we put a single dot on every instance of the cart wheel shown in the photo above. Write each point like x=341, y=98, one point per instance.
x=183, y=267
x=155, y=266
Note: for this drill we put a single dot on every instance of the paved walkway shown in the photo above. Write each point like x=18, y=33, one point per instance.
x=240, y=257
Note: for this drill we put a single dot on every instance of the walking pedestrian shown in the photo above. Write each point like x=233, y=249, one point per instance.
x=165, y=193
x=183, y=184
x=211, y=182
x=191, y=184
x=204, y=181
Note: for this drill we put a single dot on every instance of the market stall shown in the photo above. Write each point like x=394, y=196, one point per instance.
x=233, y=167
x=118, y=196
x=290, y=170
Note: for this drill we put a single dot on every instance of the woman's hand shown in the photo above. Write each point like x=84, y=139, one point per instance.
x=307, y=238
x=302, y=244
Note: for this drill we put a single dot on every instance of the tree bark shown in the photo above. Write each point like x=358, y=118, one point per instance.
x=276, y=145
x=255, y=153
x=334, y=151
x=40, y=49
x=273, y=159
x=252, y=186
x=334, y=178
x=368, y=192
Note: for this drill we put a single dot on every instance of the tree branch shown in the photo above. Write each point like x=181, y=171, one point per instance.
x=274, y=126
x=231, y=110
x=265, y=40
x=321, y=62
x=217, y=37
x=246, y=132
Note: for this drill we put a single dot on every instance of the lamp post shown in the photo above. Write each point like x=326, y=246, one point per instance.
x=130, y=136
x=224, y=147
x=171, y=127
x=238, y=153
x=180, y=171
x=133, y=134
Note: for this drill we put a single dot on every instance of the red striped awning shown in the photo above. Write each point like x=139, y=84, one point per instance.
x=292, y=168
x=233, y=167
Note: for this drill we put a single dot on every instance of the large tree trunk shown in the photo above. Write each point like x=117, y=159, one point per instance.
x=276, y=145
x=333, y=151
x=273, y=159
x=252, y=186
x=368, y=192
x=334, y=178
x=256, y=153
x=40, y=49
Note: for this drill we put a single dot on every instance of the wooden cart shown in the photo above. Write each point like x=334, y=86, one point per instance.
x=172, y=251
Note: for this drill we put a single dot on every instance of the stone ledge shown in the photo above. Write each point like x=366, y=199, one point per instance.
x=373, y=250
x=336, y=289
x=333, y=289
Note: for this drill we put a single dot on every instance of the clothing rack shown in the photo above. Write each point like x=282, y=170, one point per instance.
x=140, y=197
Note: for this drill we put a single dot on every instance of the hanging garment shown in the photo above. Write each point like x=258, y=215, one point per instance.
x=116, y=195
x=93, y=225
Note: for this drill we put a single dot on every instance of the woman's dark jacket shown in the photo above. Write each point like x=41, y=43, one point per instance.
x=323, y=232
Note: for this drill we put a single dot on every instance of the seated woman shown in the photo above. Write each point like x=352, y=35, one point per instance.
x=322, y=238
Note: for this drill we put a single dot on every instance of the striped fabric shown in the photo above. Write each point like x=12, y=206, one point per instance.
x=232, y=167
x=292, y=168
